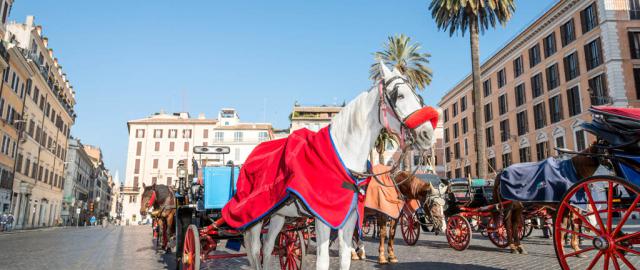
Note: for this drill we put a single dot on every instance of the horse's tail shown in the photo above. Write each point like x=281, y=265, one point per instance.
x=496, y=188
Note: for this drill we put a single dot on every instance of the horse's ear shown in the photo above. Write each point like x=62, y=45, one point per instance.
x=384, y=70
x=143, y=185
x=153, y=186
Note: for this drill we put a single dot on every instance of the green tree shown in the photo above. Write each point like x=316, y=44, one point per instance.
x=474, y=16
x=406, y=57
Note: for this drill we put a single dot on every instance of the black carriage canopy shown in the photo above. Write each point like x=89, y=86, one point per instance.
x=620, y=127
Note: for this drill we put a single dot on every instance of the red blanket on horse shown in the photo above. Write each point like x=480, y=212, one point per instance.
x=305, y=165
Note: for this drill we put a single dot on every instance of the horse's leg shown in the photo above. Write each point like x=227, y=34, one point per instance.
x=253, y=246
x=354, y=249
x=382, y=229
x=517, y=217
x=393, y=224
x=508, y=224
x=345, y=235
x=361, y=253
x=323, y=233
x=275, y=226
x=164, y=233
x=170, y=229
x=575, y=226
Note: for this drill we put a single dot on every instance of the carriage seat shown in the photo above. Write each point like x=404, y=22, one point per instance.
x=474, y=193
x=617, y=126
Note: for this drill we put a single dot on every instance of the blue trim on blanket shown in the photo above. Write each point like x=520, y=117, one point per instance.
x=357, y=180
x=242, y=228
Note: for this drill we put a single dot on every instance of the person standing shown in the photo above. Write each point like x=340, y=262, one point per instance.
x=10, y=222
x=3, y=222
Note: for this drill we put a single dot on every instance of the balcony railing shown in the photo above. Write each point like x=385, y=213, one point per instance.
x=3, y=51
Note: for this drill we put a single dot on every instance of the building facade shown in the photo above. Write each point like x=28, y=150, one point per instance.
x=78, y=177
x=10, y=110
x=312, y=117
x=157, y=143
x=47, y=114
x=100, y=189
x=536, y=91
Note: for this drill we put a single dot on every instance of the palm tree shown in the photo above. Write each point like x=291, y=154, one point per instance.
x=474, y=16
x=399, y=53
x=406, y=57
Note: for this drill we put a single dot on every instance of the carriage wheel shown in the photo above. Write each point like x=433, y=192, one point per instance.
x=458, y=232
x=497, y=231
x=292, y=249
x=409, y=226
x=191, y=249
x=606, y=243
x=527, y=230
x=366, y=227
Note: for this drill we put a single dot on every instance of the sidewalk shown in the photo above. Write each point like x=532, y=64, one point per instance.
x=14, y=231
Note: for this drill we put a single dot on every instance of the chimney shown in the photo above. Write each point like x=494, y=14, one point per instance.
x=30, y=20
x=45, y=40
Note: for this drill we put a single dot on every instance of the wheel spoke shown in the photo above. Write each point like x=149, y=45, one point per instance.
x=584, y=220
x=609, y=206
x=579, y=252
x=628, y=236
x=628, y=250
x=594, y=209
x=626, y=216
x=595, y=260
x=606, y=261
x=577, y=233
x=615, y=261
x=624, y=259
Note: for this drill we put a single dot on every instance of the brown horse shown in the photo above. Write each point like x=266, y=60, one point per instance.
x=412, y=188
x=161, y=199
x=585, y=166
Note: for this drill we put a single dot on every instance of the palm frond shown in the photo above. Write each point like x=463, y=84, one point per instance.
x=400, y=53
x=456, y=15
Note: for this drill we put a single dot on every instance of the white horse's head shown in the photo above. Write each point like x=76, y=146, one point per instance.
x=407, y=109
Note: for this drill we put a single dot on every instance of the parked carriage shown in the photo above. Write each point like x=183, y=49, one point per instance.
x=199, y=202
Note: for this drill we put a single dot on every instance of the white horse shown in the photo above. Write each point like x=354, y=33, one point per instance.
x=354, y=131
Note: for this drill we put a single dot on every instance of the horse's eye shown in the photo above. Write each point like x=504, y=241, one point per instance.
x=400, y=96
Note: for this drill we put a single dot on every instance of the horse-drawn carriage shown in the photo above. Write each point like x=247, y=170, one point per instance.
x=199, y=202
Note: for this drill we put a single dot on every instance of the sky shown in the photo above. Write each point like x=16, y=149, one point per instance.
x=129, y=59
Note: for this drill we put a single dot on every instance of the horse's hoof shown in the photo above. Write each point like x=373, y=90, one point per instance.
x=382, y=260
x=362, y=255
x=581, y=256
x=522, y=251
x=393, y=260
x=354, y=256
x=514, y=251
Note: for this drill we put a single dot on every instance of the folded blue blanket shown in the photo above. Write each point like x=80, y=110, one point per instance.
x=544, y=181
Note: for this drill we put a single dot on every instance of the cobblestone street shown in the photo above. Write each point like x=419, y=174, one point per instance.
x=132, y=248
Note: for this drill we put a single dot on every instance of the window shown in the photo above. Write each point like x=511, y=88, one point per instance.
x=6, y=141
x=1, y=107
x=218, y=136
x=170, y=163
x=157, y=147
x=504, y=130
x=135, y=181
x=157, y=133
x=263, y=136
x=634, y=44
x=634, y=9
x=522, y=121
x=455, y=109
x=534, y=55
x=573, y=100
x=593, y=54
x=553, y=77
x=465, y=126
x=549, y=45
x=571, y=67
x=486, y=87
x=139, y=132
x=186, y=133
x=455, y=131
x=186, y=147
x=491, y=165
x=456, y=150
x=567, y=33
x=537, y=85
x=173, y=133
x=588, y=18
x=488, y=112
x=458, y=173
x=237, y=136
x=581, y=141
x=560, y=142
x=205, y=133
x=525, y=154
x=463, y=104
x=467, y=171
x=542, y=151
x=446, y=135
x=506, y=160
x=502, y=104
x=137, y=167
x=446, y=115
x=636, y=77
x=19, y=163
x=138, y=148
x=521, y=97
x=518, y=67
x=489, y=135
x=447, y=154
x=154, y=180
x=598, y=90
x=172, y=146
x=502, y=78
x=555, y=109
x=155, y=163
x=466, y=147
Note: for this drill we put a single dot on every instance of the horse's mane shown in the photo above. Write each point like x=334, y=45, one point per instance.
x=415, y=186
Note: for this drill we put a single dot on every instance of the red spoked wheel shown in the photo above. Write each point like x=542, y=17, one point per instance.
x=602, y=205
x=291, y=249
x=191, y=249
x=366, y=226
x=409, y=226
x=497, y=231
x=458, y=232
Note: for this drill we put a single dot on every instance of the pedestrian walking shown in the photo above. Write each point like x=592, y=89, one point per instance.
x=92, y=221
x=9, y=222
x=3, y=221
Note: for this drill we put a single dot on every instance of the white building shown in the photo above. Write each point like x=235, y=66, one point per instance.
x=157, y=143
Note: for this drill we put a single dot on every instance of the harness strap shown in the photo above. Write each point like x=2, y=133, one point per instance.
x=152, y=200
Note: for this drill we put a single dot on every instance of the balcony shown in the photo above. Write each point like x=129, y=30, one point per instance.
x=3, y=52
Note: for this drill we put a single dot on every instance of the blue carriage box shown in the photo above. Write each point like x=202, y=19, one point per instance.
x=219, y=185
